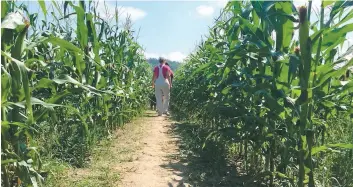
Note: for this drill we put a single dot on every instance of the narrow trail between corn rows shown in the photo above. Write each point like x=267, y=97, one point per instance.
x=155, y=166
x=143, y=153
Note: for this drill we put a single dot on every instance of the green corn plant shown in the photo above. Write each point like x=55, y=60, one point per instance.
x=258, y=91
x=62, y=93
x=304, y=68
x=16, y=123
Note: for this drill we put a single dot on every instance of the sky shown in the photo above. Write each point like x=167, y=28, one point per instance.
x=171, y=29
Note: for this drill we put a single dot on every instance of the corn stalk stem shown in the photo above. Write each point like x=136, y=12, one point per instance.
x=305, y=47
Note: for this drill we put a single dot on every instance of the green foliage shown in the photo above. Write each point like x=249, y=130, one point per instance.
x=61, y=93
x=255, y=92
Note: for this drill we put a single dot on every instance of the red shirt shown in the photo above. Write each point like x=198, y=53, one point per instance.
x=165, y=69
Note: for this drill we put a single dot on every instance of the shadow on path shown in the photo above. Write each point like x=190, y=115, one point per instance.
x=198, y=167
x=150, y=114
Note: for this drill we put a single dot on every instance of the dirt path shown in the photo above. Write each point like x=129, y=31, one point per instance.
x=143, y=153
x=155, y=164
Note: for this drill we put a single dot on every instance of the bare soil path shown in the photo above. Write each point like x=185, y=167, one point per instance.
x=156, y=161
x=144, y=153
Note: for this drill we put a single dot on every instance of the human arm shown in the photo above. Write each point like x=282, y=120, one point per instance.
x=169, y=77
x=172, y=76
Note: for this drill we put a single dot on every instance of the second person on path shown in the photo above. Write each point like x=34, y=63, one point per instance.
x=161, y=82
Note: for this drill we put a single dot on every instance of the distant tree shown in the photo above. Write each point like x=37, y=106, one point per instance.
x=174, y=65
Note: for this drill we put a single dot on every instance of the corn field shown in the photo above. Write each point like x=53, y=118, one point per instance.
x=64, y=87
x=274, y=89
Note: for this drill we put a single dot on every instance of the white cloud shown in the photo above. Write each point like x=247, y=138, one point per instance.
x=221, y=3
x=107, y=11
x=173, y=56
x=135, y=13
x=205, y=10
x=176, y=56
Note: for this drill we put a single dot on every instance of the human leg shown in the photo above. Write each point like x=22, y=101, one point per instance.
x=158, y=94
x=166, y=93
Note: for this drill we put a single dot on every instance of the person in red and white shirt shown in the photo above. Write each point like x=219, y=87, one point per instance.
x=162, y=83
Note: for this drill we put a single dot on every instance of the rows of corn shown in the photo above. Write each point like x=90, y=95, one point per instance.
x=66, y=82
x=271, y=87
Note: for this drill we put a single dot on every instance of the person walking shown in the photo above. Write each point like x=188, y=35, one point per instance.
x=162, y=83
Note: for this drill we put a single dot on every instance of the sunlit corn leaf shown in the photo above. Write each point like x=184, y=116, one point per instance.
x=14, y=21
